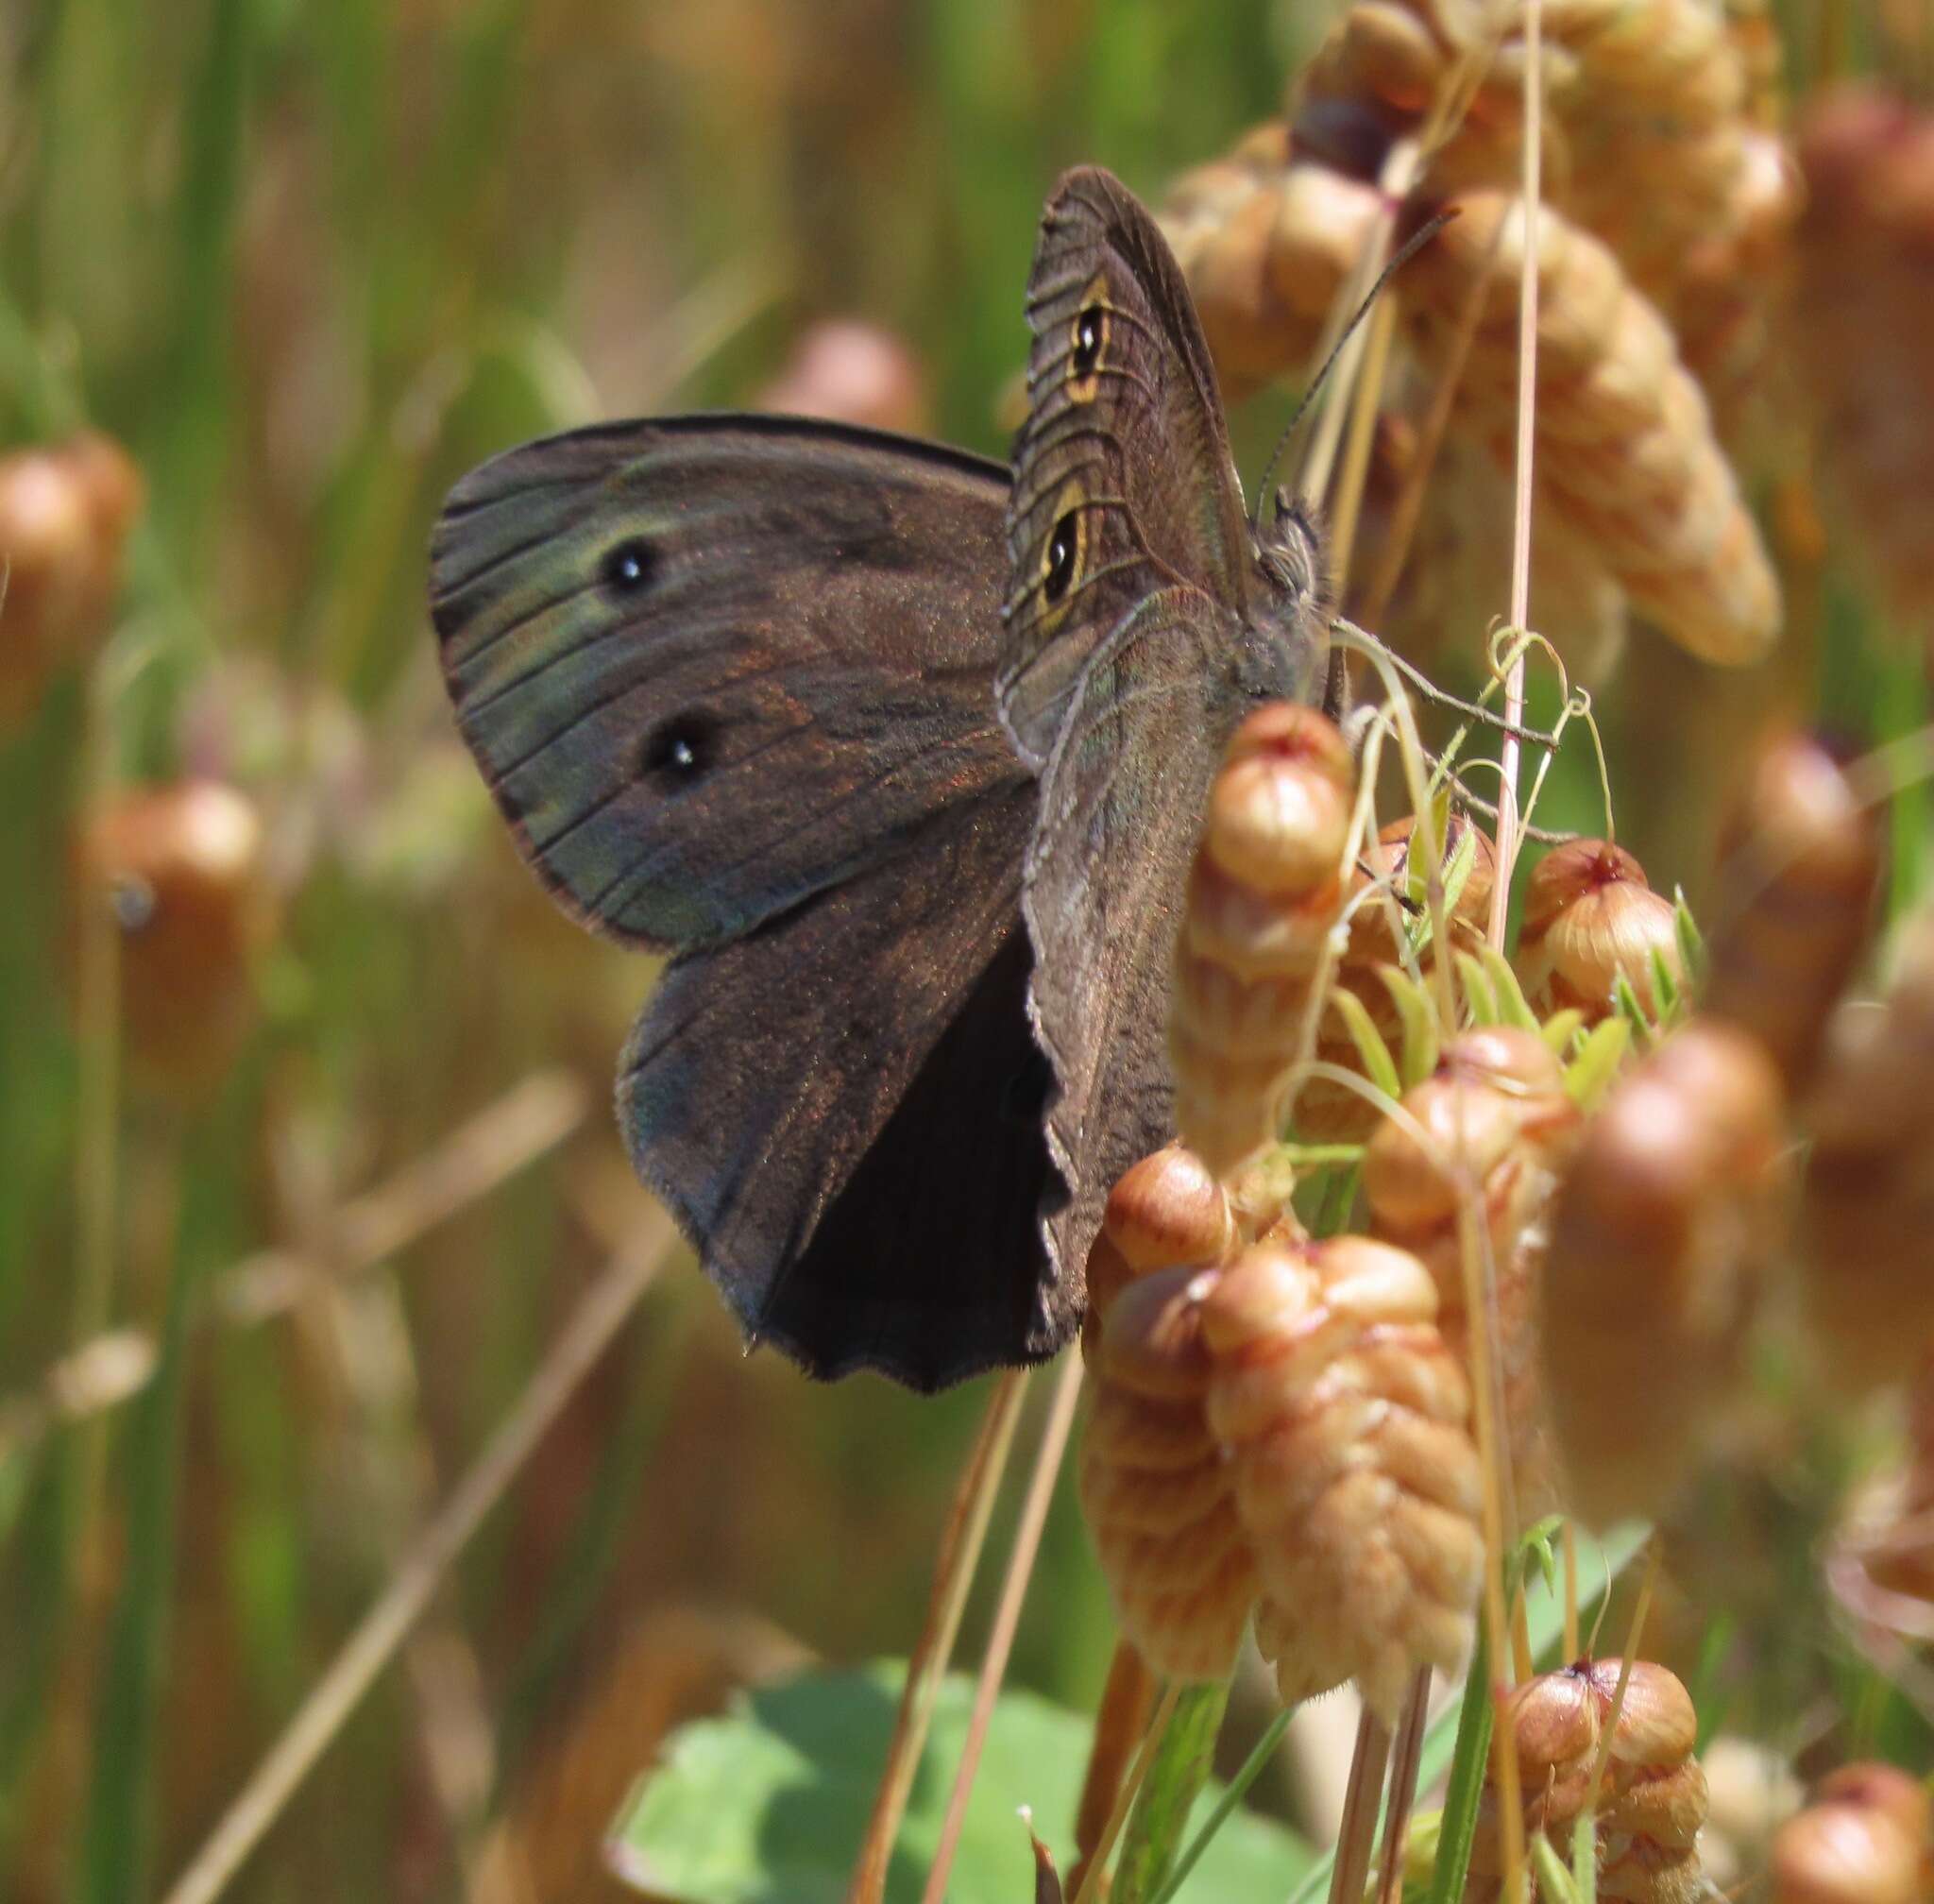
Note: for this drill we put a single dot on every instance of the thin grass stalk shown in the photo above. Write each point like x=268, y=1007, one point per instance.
x=599, y=1314
x=1091, y=1884
x=1357, y=1834
x=112, y=1368
x=1494, y=1462
x=1408, y=509
x=1175, y=1780
x=1047, y=1466
x=1570, y=1540
x=97, y=1148
x=117, y=1842
x=961, y=1541
x=1120, y=1721
x=1347, y=508
x=1403, y=1769
x=1520, y=506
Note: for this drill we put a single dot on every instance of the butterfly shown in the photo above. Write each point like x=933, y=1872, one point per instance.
x=902, y=758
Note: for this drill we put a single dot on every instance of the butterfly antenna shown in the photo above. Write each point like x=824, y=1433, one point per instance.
x=1405, y=252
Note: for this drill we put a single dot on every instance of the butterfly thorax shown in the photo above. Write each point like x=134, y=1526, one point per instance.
x=1289, y=617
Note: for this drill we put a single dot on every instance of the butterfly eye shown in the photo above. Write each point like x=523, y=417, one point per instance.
x=680, y=750
x=628, y=567
x=1091, y=332
x=1062, y=550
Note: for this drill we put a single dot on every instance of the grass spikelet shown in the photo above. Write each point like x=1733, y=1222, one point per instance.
x=1867, y=1207
x=1659, y=1241
x=1799, y=866
x=1269, y=241
x=1495, y=1122
x=1865, y=277
x=1862, y=1841
x=1344, y=1417
x=1590, y=919
x=1154, y=1490
x=1652, y=1800
x=1263, y=893
x=1624, y=447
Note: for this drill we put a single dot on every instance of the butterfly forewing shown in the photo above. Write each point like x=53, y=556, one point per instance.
x=712, y=666
x=731, y=681
x=1123, y=482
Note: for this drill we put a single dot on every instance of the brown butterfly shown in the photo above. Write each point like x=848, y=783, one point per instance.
x=745, y=691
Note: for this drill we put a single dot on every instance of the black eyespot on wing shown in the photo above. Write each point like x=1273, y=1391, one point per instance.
x=1090, y=331
x=681, y=750
x=628, y=568
x=1062, y=549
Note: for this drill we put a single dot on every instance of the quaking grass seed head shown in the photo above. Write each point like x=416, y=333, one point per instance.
x=65, y=512
x=1651, y=1804
x=1591, y=919
x=1863, y=1840
x=177, y=871
x=1661, y=1233
x=1342, y=1419
x=1867, y=1206
x=1799, y=868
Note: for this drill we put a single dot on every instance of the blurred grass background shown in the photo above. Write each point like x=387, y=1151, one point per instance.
x=308, y=262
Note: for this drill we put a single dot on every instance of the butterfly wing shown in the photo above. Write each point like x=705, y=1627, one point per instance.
x=730, y=680
x=1123, y=479
x=1121, y=808
x=1139, y=630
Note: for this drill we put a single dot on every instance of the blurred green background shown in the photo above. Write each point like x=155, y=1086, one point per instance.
x=308, y=262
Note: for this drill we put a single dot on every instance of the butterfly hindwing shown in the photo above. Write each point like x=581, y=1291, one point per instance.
x=731, y=681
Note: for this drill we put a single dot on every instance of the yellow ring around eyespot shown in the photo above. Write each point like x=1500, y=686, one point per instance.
x=1070, y=505
x=1093, y=298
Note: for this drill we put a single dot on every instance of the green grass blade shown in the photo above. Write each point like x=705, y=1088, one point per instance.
x=1168, y=1795
x=1458, y=1826
x=1250, y=1769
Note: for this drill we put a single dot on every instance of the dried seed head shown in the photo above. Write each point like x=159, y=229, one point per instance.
x=1343, y=1421
x=1590, y=919
x=1498, y=1126
x=1263, y=893
x=1653, y=1801
x=1662, y=1226
x=853, y=372
x=1798, y=871
x=1280, y=810
x=1266, y=245
x=1864, y=279
x=1862, y=1841
x=1868, y=1205
x=179, y=869
x=1154, y=1488
x=1624, y=448
x=65, y=511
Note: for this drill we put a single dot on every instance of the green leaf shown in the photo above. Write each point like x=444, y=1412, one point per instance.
x=1457, y=1825
x=1478, y=997
x=1554, y=1881
x=1168, y=1795
x=1560, y=1029
x=1379, y=1067
x=1419, y=1058
x=1513, y=1007
x=1665, y=987
x=1590, y=1074
x=1692, y=940
x=1625, y=1002
x=769, y=1804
